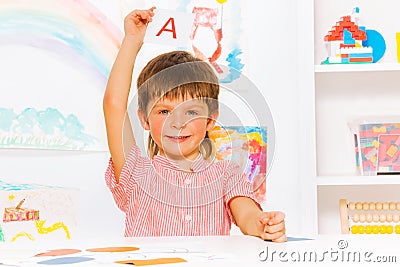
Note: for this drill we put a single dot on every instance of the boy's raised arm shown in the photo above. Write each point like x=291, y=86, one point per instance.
x=115, y=100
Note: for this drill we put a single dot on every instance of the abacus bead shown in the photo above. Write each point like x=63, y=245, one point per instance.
x=365, y=206
x=385, y=206
x=356, y=217
x=382, y=229
x=375, y=229
x=361, y=229
x=378, y=205
x=392, y=206
x=352, y=206
x=382, y=217
x=362, y=217
x=389, y=217
x=396, y=217
x=358, y=206
x=389, y=229
x=368, y=217
x=375, y=217
x=398, y=205
x=372, y=206
x=397, y=229
x=354, y=229
x=368, y=229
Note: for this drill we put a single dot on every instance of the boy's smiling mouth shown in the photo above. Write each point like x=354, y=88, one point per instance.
x=177, y=138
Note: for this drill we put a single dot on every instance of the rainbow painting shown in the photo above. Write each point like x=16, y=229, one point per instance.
x=56, y=58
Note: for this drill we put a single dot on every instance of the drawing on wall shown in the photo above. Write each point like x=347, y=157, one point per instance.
x=56, y=57
x=216, y=36
x=32, y=212
x=42, y=129
x=246, y=146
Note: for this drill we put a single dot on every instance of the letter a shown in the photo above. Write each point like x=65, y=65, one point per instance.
x=164, y=28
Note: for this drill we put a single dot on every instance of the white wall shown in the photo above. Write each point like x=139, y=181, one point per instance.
x=272, y=66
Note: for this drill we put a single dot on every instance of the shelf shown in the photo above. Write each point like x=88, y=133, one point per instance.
x=358, y=180
x=357, y=67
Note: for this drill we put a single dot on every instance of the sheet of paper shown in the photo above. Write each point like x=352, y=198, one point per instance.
x=170, y=27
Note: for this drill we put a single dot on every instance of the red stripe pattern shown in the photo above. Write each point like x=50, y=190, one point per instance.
x=160, y=200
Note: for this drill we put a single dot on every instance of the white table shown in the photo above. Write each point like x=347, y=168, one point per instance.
x=352, y=250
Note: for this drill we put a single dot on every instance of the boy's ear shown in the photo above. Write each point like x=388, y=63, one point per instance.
x=212, y=120
x=143, y=120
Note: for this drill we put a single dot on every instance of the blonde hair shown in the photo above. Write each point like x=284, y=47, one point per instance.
x=178, y=74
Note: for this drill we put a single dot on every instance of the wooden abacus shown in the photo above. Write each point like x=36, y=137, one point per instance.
x=385, y=217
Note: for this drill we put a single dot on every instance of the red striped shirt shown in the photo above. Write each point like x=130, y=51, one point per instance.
x=160, y=200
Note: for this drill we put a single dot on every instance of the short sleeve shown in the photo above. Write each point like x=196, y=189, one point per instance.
x=237, y=184
x=123, y=190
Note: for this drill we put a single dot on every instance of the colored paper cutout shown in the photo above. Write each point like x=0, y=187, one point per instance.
x=65, y=260
x=291, y=239
x=152, y=261
x=58, y=252
x=113, y=249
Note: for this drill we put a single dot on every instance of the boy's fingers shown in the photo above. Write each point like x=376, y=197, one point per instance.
x=280, y=227
x=144, y=15
x=276, y=217
x=275, y=237
x=280, y=239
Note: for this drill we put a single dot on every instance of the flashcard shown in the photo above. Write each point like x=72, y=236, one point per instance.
x=169, y=27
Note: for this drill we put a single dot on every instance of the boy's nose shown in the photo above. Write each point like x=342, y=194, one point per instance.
x=176, y=120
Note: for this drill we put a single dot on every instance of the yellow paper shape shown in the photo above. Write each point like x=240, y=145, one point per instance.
x=113, y=249
x=398, y=46
x=152, y=261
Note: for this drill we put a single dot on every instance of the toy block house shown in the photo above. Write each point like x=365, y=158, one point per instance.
x=345, y=43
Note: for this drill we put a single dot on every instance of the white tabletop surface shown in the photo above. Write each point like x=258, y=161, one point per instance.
x=339, y=250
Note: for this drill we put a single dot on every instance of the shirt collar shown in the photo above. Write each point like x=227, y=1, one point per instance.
x=198, y=164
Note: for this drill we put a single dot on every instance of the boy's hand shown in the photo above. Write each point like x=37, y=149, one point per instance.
x=135, y=23
x=272, y=226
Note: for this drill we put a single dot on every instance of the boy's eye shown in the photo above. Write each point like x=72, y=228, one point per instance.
x=164, y=112
x=192, y=112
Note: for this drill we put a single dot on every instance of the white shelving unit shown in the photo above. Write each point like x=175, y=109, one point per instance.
x=357, y=67
x=358, y=180
x=342, y=94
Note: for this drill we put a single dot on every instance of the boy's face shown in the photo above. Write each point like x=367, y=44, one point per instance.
x=178, y=126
